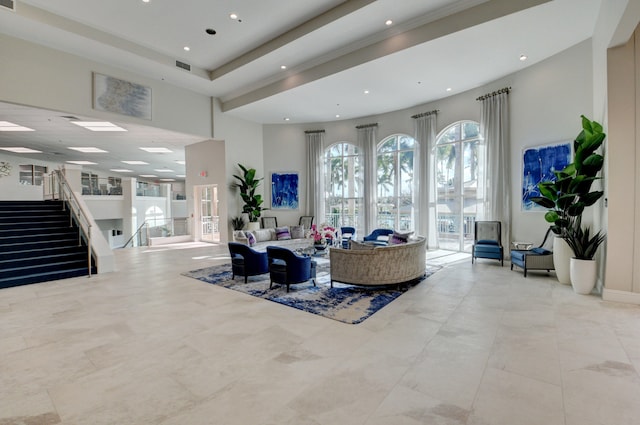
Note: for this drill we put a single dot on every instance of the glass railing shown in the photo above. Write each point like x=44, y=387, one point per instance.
x=97, y=186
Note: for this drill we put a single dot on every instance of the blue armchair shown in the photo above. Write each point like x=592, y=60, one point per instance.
x=347, y=233
x=487, y=243
x=377, y=234
x=535, y=259
x=286, y=267
x=246, y=261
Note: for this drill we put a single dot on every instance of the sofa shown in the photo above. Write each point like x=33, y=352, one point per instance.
x=372, y=265
x=274, y=236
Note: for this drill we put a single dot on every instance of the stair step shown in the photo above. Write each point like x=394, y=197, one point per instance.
x=20, y=252
x=43, y=277
x=19, y=270
x=38, y=228
x=40, y=237
x=33, y=218
x=7, y=264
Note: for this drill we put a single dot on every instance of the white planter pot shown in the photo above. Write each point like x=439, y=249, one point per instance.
x=584, y=274
x=561, y=256
x=253, y=225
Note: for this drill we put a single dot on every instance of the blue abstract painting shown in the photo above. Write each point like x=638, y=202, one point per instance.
x=284, y=191
x=538, y=165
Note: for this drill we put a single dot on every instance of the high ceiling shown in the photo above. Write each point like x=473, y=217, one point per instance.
x=333, y=51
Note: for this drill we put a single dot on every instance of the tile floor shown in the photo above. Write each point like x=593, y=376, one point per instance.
x=474, y=345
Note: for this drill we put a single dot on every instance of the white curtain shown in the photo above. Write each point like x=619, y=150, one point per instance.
x=315, y=175
x=496, y=178
x=424, y=169
x=367, y=143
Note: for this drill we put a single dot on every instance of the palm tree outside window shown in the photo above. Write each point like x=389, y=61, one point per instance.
x=344, y=201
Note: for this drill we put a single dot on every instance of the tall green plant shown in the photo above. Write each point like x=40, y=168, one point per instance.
x=579, y=239
x=568, y=196
x=248, y=184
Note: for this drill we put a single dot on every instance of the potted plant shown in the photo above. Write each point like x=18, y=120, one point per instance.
x=248, y=183
x=583, y=268
x=567, y=197
x=237, y=224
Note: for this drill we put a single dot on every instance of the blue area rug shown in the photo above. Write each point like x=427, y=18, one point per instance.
x=345, y=303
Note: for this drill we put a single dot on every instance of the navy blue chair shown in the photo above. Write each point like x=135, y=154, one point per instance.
x=534, y=259
x=347, y=233
x=377, y=234
x=487, y=237
x=246, y=261
x=287, y=268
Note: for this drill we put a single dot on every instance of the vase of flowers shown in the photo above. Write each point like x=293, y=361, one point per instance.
x=322, y=236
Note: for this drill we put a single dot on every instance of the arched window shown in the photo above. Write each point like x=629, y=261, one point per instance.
x=395, y=180
x=344, y=186
x=457, y=171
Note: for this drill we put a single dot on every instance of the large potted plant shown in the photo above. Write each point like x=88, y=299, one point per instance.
x=567, y=197
x=248, y=183
x=583, y=268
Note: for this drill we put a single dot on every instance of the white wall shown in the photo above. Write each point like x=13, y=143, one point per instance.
x=10, y=187
x=547, y=100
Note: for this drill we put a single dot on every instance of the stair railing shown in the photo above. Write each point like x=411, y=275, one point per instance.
x=138, y=233
x=60, y=189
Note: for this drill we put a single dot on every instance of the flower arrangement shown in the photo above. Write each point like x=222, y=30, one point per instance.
x=322, y=233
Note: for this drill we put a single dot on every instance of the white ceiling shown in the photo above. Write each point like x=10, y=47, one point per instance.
x=333, y=50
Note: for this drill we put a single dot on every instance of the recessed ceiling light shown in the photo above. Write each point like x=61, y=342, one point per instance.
x=164, y=170
x=9, y=126
x=233, y=16
x=89, y=150
x=523, y=58
x=148, y=176
x=287, y=119
x=186, y=48
x=98, y=125
x=366, y=92
x=337, y=115
x=146, y=1
x=121, y=170
x=448, y=88
x=181, y=161
x=21, y=150
x=135, y=162
x=180, y=176
x=167, y=180
x=157, y=150
x=283, y=67
x=82, y=162
x=388, y=22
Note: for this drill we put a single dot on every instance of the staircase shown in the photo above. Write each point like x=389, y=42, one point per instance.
x=37, y=244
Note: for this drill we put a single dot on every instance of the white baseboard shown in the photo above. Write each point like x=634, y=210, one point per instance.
x=621, y=296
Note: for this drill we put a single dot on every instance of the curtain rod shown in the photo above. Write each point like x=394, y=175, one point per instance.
x=425, y=114
x=495, y=93
x=313, y=131
x=375, y=124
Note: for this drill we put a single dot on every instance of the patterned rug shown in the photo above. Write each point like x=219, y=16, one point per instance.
x=345, y=303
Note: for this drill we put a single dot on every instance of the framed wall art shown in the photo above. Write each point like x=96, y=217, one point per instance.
x=538, y=165
x=284, y=191
x=121, y=97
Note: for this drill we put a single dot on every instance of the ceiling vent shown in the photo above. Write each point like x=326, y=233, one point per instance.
x=8, y=4
x=179, y=64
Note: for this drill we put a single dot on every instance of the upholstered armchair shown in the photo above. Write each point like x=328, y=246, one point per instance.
x=246, y=261
x=487, y=241
x=287, y=268
x=306, y=221
x=534, y=259
x=347, y=233
x=376, y=236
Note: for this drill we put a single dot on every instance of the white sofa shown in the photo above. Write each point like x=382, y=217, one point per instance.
x=266, y=237
x=379, y=265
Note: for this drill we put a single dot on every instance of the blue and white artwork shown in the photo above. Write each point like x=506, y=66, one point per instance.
x=284, y=191
x=122, y=97
x=538, y=165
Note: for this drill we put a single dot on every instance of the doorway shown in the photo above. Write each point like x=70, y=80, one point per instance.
x=206, y=213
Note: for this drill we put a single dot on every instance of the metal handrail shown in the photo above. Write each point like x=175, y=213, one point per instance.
x=134, y=234
x=61, y=190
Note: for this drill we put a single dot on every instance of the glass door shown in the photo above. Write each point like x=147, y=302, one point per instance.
x=207, y=213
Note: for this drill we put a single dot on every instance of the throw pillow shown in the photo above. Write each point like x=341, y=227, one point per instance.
x=282, y=233
x=399, y=238
x=297, y=232
x=263, y=235
x=251, y=238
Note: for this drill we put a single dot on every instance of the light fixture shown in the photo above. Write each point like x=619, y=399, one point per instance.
x=146, y=1
x=21, y=150
x=121, y=170
x=89, y=150
x=167, y=180
x=180, y=176
x=135, y=162
x=98, y=125
x=181, y=161
x=337, y=115
x=366, y=92
x=164, y=170
x=186, y=48
x=148, y=176
x=283, y=67
x=523, y=58
x=9, y=126
x=233, y=16
x=82, y=162
x=388, y=22
x=448, y=88
x=157, y=150
x=287, y=119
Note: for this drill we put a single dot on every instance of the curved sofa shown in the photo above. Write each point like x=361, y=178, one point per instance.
x=379, y=265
